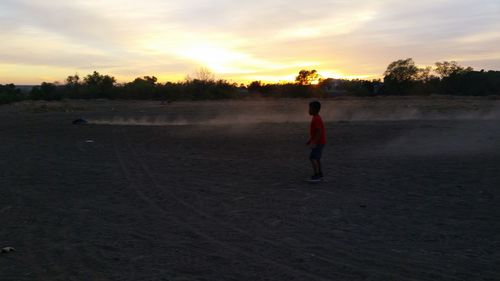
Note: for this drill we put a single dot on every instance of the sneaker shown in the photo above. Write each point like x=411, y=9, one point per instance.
x=315, y=178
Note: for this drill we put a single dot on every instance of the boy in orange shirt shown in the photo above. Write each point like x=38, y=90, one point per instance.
x=317, y=141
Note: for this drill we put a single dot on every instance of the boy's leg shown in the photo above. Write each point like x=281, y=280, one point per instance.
x=316, y=163
x=316, y=166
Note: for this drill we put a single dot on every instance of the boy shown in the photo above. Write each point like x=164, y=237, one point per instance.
x=316, y=141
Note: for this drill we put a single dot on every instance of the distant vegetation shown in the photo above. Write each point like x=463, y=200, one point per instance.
x=9, y=93
x=402, y=77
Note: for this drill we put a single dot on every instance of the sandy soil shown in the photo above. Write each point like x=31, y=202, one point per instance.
x=216, y=191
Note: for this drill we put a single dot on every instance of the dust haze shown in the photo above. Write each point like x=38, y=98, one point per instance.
x=235, y=113
x=430, y=127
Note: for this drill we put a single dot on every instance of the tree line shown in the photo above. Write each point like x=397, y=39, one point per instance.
x=402, y=77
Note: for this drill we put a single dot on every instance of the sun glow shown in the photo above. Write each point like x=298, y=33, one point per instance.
x=253, y=40
x=217, y=58
x=341, y=75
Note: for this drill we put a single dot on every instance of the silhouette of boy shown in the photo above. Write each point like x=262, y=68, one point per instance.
x=317, y=140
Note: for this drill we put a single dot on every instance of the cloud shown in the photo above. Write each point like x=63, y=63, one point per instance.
x=62, y=18
x=245, y=39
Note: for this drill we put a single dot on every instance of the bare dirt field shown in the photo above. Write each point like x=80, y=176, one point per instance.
x=216, y=191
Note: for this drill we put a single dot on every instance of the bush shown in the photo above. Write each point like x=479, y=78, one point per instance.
x=46, y=91
x=9, y=93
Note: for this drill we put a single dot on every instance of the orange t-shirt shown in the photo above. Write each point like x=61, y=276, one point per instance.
x=317, y=123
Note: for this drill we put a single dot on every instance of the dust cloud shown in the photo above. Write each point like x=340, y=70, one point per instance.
x=433, y=127
x=241, y=114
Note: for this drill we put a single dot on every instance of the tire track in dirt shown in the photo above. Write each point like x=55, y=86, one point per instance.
x=138, y=187
x=354, y=261
x=342, y=249
x=319, y=258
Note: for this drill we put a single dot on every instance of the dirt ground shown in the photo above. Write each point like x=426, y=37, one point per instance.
x=216, y=191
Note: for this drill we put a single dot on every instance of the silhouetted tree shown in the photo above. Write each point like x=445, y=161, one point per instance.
x=307, y=77
x=73, y=86
x=401, y=71
x=151, y=80
x=46, y=91
x=399, y=76
x=425, y=74
x=449, y=68
x=472, y=83
x=255, y=86
x=73, y=80
x=202, y=74
x=98, y=80
x=97, y=85
x=142, y=88
x=9, y=93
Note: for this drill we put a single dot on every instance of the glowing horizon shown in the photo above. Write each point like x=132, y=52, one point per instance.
x=240, y=42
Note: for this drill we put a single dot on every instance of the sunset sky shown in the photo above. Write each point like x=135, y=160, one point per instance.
x=242, y=41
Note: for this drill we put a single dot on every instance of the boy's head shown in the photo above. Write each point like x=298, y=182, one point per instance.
x=314, y=107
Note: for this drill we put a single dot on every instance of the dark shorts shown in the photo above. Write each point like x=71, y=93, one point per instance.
x=316, y=152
